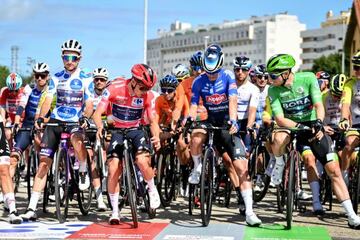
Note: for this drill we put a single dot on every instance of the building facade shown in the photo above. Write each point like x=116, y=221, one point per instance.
x=325, y=40
x=352, y=41
x=257, y=38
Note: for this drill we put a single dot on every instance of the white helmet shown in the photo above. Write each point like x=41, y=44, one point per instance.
x=71, y=45
x=41, y=67
x=180, y=71
x=101, y=73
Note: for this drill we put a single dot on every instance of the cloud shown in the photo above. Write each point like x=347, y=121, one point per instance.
x=12, y=10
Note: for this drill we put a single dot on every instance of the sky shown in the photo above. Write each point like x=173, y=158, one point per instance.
x=111, y=31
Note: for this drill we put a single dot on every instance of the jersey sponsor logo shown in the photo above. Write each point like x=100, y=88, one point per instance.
x=232, y=86
x=300, y=90
x=85, y=73
x=59, y=74
x=137, y=102
x=106, y=93
x=298, y=106
x=66, y=75
x=66, y=112
x=126, y=113
x=91, y=88
x=76, y=84
x=216, y=98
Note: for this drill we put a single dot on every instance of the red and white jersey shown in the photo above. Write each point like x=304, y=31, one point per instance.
x=11, y=100
x=127, y=111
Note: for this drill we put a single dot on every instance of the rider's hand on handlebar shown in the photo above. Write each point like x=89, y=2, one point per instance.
x=99, y=133
x=156, y=143
x=15, y=129
x=329, y=130
x=344, y=124
x=39, y=123
x=84, y=122
x=234, y=126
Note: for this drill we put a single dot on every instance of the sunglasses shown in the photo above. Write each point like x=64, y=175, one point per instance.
x=243, y=69
x=72, y=58
x=40, y=75
x=100, y=79
x=167, y=90
x=356, y=68
x=261, y=76
x=142, y=88
x=275, y=75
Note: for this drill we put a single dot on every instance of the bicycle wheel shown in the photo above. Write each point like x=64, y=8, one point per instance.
x=261, y=179
x=356, y=186
x=131, y=187
x=84, y=197
x=280, y=198
x=166, y=177
x=206, y=186
x=61, y=178
x=31, y=170
x=290, y=188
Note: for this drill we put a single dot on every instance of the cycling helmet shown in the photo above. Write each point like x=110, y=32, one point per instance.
x=41, y=67
x=213, y=59
x=280, y=62
x=14, y=81
x=100, y=73
x=337, y=84
x=356, y=59
x=323, y=75
x=144, y=74
x=196, y=61
x=169, y=81
x=260, y=69
x=71, y=45
x=180, y=71
x=242, y=62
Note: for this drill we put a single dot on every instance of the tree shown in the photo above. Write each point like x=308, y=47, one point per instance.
x=4, y=72
x=330, y=64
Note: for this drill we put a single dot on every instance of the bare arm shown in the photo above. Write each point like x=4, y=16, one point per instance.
x=233, y=107
x=320, y=110
x=251, y=117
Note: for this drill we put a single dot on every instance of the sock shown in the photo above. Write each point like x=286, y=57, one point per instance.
x=185, y=175
x=347, y=205
x=248, y=200
x=280, y=160
x=315, y=190
x=197, y=160
x=9, y=198
x=98, y=192
x=114, y=199
x=34, y=200
x=82, y=166
x=151, y=184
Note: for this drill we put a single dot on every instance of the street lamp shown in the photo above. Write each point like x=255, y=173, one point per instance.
x=206, y=40
x=145, y=30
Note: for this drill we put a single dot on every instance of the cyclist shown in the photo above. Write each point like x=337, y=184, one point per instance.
x=10, y=97
x=181, y=72
x=170, y=107
x=28, y=107
x=71, y=86
x=248, y=99
x=350, y=113
x=97, y=87
x=217, y=88
x=261, y=81
x=323, y=80
x=129, y=99
x=296, y=102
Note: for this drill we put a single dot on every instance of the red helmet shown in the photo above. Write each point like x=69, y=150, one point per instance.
x=145, y=74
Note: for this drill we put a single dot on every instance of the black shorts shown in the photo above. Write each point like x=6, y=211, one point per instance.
x=137, y=139
x=51, y=137
x=90, y=139
x=322, y=150
x=4, y=147
x=22, y=140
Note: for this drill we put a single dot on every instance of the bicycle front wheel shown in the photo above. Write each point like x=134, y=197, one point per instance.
x=356, y=187
x=206, y=186
x=84, y=197
x=61, y=185
x=131, y=187
x=291, y=189
x=166, y=177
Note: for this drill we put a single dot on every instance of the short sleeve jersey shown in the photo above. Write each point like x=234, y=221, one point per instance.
x=297, y=102
x=248, y=96
x=215, y=94
x=262, y=103
x=351, y=96
x=71, y=90
x=126, y=110
x=332, y=107
x=32, y=104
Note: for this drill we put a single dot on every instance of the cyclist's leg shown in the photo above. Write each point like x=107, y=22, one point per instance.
x=198, y=138
x=183, y=153
x=49, y=144
x=6, y=181
x=325, y=154
x=280, y=139
x=114, y=172
x=232, y=173
x=351, y=142
x=22, y=141
x=77, y=141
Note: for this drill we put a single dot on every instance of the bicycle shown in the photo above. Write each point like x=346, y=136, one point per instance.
x=207, y=178
x=66, y=176
x=134, y=189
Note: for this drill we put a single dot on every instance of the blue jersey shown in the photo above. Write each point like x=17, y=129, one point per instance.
x=32, y=105
x=215, y=95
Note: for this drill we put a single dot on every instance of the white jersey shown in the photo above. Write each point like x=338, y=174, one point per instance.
x=248, y=96
x=262, y=102
x=72, y=90
x=332, y=109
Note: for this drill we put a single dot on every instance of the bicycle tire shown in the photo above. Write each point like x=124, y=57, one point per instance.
x=61, y=173
x=258, y=196
x=191, y=200
x=131, y=187
x=166, y=177
x=84, y=197
x=290, y=189
x=206, y=187
x=355, y=195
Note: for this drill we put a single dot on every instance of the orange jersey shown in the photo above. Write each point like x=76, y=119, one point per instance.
x=164, y=108
x=187, y=85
